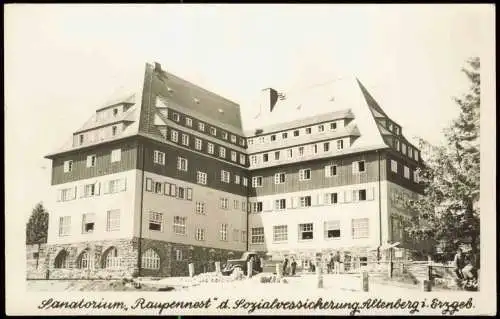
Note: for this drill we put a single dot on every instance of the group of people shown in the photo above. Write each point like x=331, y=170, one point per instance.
x=333, y=262
x=293, y=266
x=465, y=267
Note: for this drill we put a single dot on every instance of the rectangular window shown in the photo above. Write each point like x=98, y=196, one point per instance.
x=340, y=144
x=91, y=159
x=245, y=181
x=176, y=117
x=290, y=153
x=159, y=157
x=173, y=190
x=265, y=157
x=360, y=228
x=331, y=198
x=67, y=194
x=273, y=138
x=236, y=179
x=333, y=126
x=116, y=185
x=225, y=176
x=113, y=220
x=116, y=155
x=416, y=178
x=296, y=133
x=174, y=136
x=280, y=204
x=185, y=139
x=257, y=207
x=201, y=126
x=403, y=148
x=68, y=166
x=308, y=130
x=81, y=139
x=416, y=155
x=234, y=156
x=315, y=149
x=198, y=144
x=407, y=172
x=242, y=141
x=321, y=128
x=64, y=225
x=233, y=138
x=211, y=148
x=243, y=236
x=243, y=206
x=358, y=167
x=201, y=178
x=257, y=181
x=394, y=166
x=330, y=170
x=224, y=135
x=262, y=139
x=223, y=232
x=224, y=203
x=253, y=159
x=242, y=159
x=332, y=229
x=276, y=156
x=155, y=221
x=280, y=233
x=89, y=190
x=180, y=225
x=284, y=135
x=304, y=174
x=250, y=141
x=158, y=188
x=88, y=223
x=178, y=255
x=182, y=164
x=200, y=234
x=181, y=192
x=306, y=231
x=222, y=152
x=213, y=131
x=258, y=235
x=361, y=194
x=305, y=201
x=236, y=204
x=189, y=122
x=114, y=130
x=279, y=178
x=200, y=208
x=326, y=147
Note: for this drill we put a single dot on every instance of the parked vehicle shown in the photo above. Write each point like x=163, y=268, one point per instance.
x=242, y=264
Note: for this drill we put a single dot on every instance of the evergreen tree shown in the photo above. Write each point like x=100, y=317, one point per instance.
x=37, y=227
x=449, y=211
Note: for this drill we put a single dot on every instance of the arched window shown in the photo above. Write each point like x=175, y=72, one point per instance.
x=150, y=259
x=111, y=260
x=85, y=260
x=62, y=260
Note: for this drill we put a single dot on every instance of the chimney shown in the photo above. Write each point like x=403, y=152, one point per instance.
x=157, y=67
x=268, y=99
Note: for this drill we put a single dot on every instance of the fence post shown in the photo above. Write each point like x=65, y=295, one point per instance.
x=191, y=269
x=319, y=274
x=389, y=269
x=365, y=281
x=428, y=283
x=217, y=266
x=249, y=269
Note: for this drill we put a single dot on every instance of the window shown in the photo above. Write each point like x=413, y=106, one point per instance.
x=256, y=207
x=199, y=234
x=222, y=152
x=333, y=126
x=174, y=136
x=198, y=144
x=306, y=231
x=116, y=155
x=185, y=139
x=284, y=135
x=85, y=260
x=189, y=122
x=244, y=236
x=340, y=144
x=200, y=208
x=234, y=156
x=330, y=170
x=68, y=166
x=181, y=192
x=159, y=157
x=88, y=223
x=111, y=259
x=308, y=130
x=173, y=190
x=326, y=147
x=304, y=174
x=301, y=151
x=358, y=167
x=280, y=233
x=224, y=135
x=242, y=142
x=176, y=117
x=113, y=130
x=81, y=139
x=158, y=188
x=410, y=152
x=258, y=235
x=416, y=177
x=242, y=159
x=296, y=133
x=332, y=229
x=262, y=139
x=89, y=190
x=315, y=149
x=201, y=178
x=182, y=164
x=407, y=172
x=257, y=181
x=243, y=206
x=321, y=128
x=273, y=138
x=62, y=260
x=223, y=232
x=305, y=201
x=236, y=179
x=331, y=198
x=155, y=221
x=415, y=154
x=224, y=203
x=236, y=234
x=397, y=145
x=211, y=148
x=91, y=159
x=201, y=126
x=265, y=157
x=150, y=259
x=276, y=156
x=403, y=148
x=250, y=141
x=113, y=220
x=213, y=131
x=290, y=153
x=233, y=139
x=360, y=228
x=360, y=194
x=236, y=204
x=225, y=176
x=245, y=181
x=180, y=225
x=66, y=194
x=279, y=178
x=64, y=225
x=280, y=204
x=394, y=166
x=253, y=159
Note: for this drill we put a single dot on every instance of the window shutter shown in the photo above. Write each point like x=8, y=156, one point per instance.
x=294, y=202
x=173, y=190
x=89, y=161
x=267, y=205
x=166, y=188
x=326, y=198
x=74, y=192
x=82, y=191
x=320, y=198
x=354, y=167
x=106, y=187
x=370, y=193
x=327, y=171
x=347, y=196
x=340, y=197
x=59, y=195
x=314, y=200
x=123, y=184
x=66, y=165
x=189, y=194
x=149, y=185
x=355, y=195
x=288, y=203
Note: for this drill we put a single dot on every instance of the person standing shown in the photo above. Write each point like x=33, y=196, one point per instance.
x=336, y=261
x=285, y=266
x=459, y=263
x=293, y=265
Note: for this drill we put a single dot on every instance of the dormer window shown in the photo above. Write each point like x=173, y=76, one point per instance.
x=115, y=112
x=213, y=131
x=176, y=117
x=308, y=130
x=114, y=130
x=224, y=135
x=296, y=133
x=333, y=126
x=81, y=139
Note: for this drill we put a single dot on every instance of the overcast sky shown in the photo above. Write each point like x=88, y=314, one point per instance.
x=62, y=61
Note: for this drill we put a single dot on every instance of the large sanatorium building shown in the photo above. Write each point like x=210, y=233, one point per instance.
x=168, y=175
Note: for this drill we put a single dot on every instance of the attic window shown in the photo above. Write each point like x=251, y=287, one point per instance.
x=258, y=131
